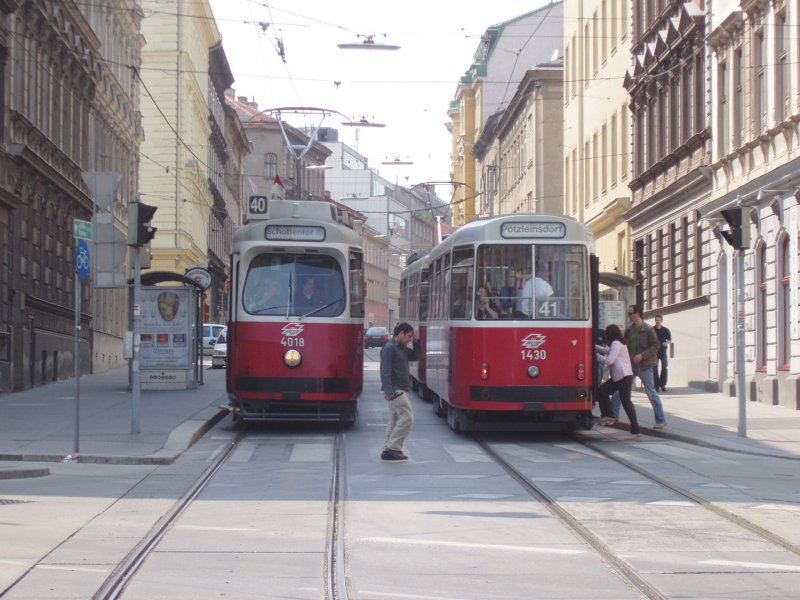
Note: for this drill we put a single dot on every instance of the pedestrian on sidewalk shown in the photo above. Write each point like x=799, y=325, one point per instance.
x=643, y=346
x=665, y=339
x=616, y=356
x=395, y=385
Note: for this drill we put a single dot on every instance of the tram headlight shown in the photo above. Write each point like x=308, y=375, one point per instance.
x=533, y=371
x=484, y=371
x=580, y=372
x=292, y=358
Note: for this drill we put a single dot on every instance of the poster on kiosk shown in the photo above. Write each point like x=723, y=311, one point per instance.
x=166, y=327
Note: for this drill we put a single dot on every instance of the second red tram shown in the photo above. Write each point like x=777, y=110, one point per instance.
x=506, y=304
x=296, y=306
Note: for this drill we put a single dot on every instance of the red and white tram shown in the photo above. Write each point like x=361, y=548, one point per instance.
x=296, y=306
x=523, y=357
x=414, y=291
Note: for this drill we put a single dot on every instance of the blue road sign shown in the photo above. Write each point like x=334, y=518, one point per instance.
x=82, y=259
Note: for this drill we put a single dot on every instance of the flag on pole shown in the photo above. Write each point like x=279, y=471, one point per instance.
x=278, y=189
x=253, y=185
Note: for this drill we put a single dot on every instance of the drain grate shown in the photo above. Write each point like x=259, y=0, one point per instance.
x=10, y=501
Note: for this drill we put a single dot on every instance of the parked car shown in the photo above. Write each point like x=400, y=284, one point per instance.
x=219, y=356
x=211, y=332
x=376, y=337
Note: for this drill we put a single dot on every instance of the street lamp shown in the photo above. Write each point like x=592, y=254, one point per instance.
x=368, y=43
x=363, y=122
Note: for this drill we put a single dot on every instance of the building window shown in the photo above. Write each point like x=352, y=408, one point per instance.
x=722, y=111
x=595, y=160
x=604, y=29
x=698, y=97
x=270, y=166
x=650, y=134
x=784, y=304
x=614, y=24
x=587, y=179
x=575, y=190
x=604, y=159
x=759, y=82
x=624, y=142
x=761, y=308
x=674, y=112
x=661, y=130
x=638, y=149
x=738, y=98
x=3, y=54
x=782, y=100
x=614, y=150
x=686, y=105
x=586, y=58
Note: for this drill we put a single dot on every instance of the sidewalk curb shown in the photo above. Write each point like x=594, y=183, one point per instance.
x=677, y=437
x=180, y=440
x=22, y=472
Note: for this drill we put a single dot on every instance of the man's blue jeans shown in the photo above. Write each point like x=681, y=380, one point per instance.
x=660, y=379
x=646, y=375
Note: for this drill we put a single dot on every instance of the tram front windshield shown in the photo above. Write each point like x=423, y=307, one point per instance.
x=294, y=285
x=539, y=282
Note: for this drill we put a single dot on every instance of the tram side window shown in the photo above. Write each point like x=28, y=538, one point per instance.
x=461, y=283
x=424, y=292
x=356, y=284
x=502, y=271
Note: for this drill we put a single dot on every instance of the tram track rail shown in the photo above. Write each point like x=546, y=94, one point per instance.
x=335, y=567
x=114, y=586
x=605, y=552
x=336, y=572
x=719, y=511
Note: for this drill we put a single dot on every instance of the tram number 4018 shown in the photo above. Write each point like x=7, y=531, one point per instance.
x=293, y=342
x=534, y=354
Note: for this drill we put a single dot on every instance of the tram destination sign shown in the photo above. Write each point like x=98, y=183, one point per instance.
x=294, y=233
x=533, y=229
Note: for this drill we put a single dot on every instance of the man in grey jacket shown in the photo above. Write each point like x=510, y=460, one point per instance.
x=395, y=385
x=643, y=346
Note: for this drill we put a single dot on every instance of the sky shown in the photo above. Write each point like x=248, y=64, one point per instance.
x=408, y=90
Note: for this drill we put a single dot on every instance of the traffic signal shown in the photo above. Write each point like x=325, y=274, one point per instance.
x=140, y=232
x=738, y=220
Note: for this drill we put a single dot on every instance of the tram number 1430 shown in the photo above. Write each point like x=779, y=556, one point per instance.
x=534, y=354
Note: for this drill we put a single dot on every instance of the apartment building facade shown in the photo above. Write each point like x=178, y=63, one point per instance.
x=754, y=52
x=518, y=150
x=68, y=108
x=670, y=182
x=505, y=53
x=596, y=149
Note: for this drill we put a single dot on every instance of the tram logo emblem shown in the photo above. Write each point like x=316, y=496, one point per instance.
x=292, y=329
x=533, y=341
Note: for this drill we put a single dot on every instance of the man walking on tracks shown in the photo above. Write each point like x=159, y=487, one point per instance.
x=395, y=385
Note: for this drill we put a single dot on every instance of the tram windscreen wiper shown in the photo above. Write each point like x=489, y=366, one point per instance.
x=265, y=310
x=323, y=307
x=289, y=297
